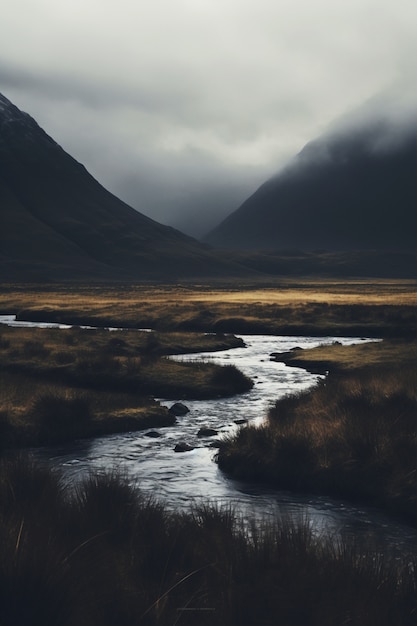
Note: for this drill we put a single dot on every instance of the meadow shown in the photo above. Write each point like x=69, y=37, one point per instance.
x=355, y=307
x=57, y=385
x=104, y=553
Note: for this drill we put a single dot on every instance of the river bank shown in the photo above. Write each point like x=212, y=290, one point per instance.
x=107, y=554
x=72, y=383
x=334, y=564
x=62, y=384
x=353, y=436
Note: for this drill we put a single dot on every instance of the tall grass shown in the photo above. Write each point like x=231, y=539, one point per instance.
x=104, y=554
x=131, y=362
x=353, y=436
x=61, y=415
x=38, y=412
x=57, y=385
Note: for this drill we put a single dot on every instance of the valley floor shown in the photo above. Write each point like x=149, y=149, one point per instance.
x=105, y=555
x=316, y=307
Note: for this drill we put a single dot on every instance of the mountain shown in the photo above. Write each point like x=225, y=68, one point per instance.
x=353, y=189
x=58, y=223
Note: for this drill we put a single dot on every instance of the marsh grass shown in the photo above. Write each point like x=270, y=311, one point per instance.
x=57, y=385
x=103, y=553
x=354, y=436
x=130, y=361
x=60, y=415
x=290, y=306
x=37, y=412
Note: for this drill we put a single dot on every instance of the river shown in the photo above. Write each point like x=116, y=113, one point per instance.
x=181, y=479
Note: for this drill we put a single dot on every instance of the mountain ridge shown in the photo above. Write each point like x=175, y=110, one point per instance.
x=58, y=221
x=352, y=190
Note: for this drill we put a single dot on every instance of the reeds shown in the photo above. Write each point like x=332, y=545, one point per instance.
x=354, y=436
x=57, y=385
x=103, y=553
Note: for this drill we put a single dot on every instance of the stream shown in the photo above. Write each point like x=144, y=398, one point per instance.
x=183, y=479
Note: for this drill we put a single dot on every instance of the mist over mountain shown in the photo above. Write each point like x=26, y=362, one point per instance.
x=355, y=188
x=57, y=222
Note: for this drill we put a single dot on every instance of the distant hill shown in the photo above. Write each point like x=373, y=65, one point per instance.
x=354, y=189
x=58, y=223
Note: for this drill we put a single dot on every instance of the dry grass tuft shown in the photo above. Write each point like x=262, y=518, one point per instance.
x=104, y=554
x=353, y=436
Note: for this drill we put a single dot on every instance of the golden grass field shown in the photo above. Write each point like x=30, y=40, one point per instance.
x=287, y=306
x=386, y=354
x=283, y=292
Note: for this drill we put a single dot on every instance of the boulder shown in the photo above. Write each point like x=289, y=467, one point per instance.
x=153, y=433
x=179, y=409
x=241, y=421
x=207, y=432
x=183, y=446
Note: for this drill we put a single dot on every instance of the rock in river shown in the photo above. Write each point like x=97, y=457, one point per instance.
x=182, y=446
x=153, y=433
x=179, y=409
x=207, y=432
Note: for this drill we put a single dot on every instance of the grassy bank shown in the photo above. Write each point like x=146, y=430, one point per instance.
x=104, y=554
x=57, y=385
x=349, y=307
x=353, y=436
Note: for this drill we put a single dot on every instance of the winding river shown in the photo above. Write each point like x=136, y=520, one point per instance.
x=181, y=479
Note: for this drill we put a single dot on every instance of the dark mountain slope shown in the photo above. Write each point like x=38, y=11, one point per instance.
x=353, y=190
x=57, y=221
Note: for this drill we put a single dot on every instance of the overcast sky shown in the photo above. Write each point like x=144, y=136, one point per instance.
x=184, y=107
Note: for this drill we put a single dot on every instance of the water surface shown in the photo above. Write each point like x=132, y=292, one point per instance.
x=183, y=479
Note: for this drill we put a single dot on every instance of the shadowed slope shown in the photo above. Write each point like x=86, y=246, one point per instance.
x=57, y=221
x=353, y=190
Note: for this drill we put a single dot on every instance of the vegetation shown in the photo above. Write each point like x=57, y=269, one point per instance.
x=353, y=436
x=371, y=308
x=102, y=553
x=57, y=384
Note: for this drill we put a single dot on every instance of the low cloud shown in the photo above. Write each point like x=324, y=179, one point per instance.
x=182, y=109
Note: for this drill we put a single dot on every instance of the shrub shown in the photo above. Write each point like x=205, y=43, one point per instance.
x=351, y=436
x=230, y=378
x=59, y=416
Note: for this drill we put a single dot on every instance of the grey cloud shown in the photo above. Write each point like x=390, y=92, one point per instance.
x=180, y=108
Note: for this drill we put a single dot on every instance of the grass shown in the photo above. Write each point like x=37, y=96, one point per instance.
x=360, y=357
x=353, y=436
x=57, y=385
x=38, y=412
x=349, y=307
x=103, y=553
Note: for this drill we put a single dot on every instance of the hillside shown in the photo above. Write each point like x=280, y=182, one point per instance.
x=354, y=189
x=58, y=223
